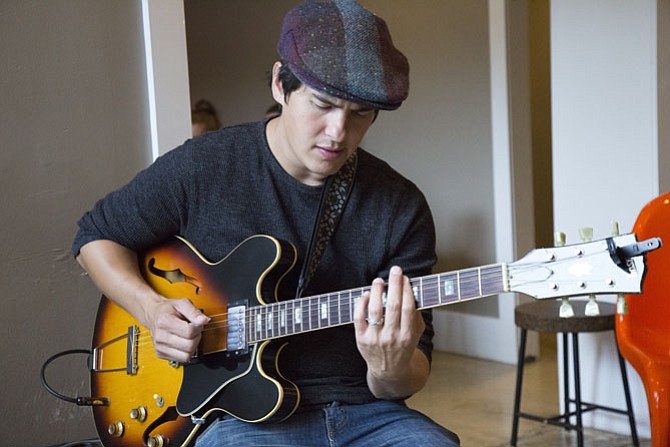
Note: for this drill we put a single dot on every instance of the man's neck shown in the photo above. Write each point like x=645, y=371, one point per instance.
x=277, y=140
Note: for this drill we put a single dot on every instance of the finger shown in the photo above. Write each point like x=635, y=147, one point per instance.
x=190, y=313
x=174, y=347
x=174, y=318
x=394, y=298
x=360, y=313
x=173, y=354
x=170, y=329
x=175, y=336
x=375, y=311
x=409, y=311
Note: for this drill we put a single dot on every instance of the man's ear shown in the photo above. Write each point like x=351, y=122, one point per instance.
x=275, y=85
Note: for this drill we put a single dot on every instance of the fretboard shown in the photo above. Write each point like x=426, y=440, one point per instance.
x=335, y=309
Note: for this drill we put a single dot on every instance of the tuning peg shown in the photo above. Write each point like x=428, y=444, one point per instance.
x=559, y=239
x=586, y=233
x=621, y=304
x=615, y=228
x=566, y=310
x=592, y=309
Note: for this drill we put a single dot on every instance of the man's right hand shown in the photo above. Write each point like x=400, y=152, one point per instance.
x=176, y=327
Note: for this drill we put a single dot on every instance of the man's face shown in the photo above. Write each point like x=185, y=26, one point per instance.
x=316, y=133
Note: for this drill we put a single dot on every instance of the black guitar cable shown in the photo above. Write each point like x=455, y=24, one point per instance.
x=81, y=401
x=75, y=400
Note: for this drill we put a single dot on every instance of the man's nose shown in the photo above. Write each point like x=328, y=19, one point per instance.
x=336, y=125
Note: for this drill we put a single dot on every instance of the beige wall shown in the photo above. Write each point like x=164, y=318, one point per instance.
x=74, y=125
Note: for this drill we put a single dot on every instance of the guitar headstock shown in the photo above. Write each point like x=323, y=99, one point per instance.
x=607, y=266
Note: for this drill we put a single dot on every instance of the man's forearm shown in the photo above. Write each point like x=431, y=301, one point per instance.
x=114, y=270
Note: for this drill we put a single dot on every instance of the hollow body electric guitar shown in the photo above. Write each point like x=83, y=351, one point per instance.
x=140, y=399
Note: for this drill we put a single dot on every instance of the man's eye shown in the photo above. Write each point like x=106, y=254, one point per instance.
x=364, y=112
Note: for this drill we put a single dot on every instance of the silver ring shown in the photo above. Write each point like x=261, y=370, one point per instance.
x=375, y=322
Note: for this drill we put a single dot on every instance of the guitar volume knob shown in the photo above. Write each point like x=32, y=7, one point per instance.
x=157, y=441
x=139, y=413
x=116, y=429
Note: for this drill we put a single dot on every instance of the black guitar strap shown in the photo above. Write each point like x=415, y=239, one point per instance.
x=333, y=200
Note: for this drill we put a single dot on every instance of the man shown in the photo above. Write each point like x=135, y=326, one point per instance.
x=338, y=68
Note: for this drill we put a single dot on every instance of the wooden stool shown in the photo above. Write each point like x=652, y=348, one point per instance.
x=543, y=316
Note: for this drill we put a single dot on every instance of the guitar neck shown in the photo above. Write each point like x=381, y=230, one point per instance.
x=336, y=309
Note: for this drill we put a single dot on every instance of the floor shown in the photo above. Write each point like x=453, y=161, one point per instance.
x=475, y=399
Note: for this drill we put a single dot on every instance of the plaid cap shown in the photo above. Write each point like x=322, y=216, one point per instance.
x=340, y=48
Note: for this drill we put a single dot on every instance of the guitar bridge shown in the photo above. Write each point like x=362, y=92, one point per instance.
x=236, y=341
x=127, y=343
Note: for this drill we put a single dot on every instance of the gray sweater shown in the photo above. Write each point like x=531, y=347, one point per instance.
x=218, y=189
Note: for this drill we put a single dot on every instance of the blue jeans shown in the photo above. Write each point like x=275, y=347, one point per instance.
x=378, y=424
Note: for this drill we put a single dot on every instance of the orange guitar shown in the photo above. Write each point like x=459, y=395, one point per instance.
x=143, y=400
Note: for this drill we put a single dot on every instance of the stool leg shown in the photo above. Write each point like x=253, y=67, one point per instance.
x=566, y=384
x=629, y=404
x=517, y=393
x=578, y=390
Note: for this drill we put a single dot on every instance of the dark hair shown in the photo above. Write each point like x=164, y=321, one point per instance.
x=289, y=81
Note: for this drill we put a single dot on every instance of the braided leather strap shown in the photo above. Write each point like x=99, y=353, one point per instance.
x=336, y=198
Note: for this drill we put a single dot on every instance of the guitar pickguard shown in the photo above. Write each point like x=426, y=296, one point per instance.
x=238, y=386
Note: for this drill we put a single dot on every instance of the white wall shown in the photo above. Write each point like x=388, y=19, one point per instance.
x=167, y=74
x=605, y=145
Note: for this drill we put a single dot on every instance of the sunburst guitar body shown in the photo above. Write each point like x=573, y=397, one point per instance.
x=148, y=401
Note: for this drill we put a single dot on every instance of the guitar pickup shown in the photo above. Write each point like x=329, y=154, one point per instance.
x=236, y=342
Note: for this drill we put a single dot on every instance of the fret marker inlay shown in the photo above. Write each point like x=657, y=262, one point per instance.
x=449, y=288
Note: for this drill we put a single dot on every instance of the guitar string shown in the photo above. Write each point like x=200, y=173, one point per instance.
x=469, y=282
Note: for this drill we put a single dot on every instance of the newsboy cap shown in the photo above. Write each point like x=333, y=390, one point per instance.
x=342, y=49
